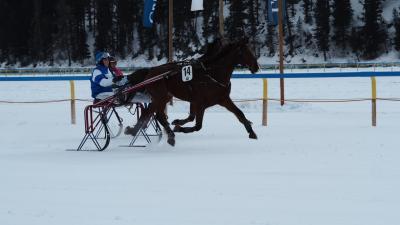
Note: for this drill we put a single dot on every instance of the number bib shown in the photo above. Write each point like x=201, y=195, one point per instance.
x=187, y=73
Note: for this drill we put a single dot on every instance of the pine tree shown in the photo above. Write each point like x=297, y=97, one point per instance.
x=63, y=32
x=254, y=23
x=374, y=32
x=18, y=31
x=14, y=31
x=342, y=18
x=161, y=18
x=104, y=26
x=80, y=49
x=210, y=18
x=4, y=13
x=43, y=23
x=70, y=35
x=290, y=4
x=139, y=29
x=271, y=36
x=236, y=23
x=322, y=12
x=124, y=23
x=289, y=35
x=270, y=40
x=147, y=41
x=307, y=11
x=396, y=22
x=181, y=16
x=185, y=36
x=356, y=41
x=44, y=31
x=90, y=14
x=299, y=41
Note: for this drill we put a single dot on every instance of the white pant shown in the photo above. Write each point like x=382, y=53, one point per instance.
x=139, y=97
x=104, y=95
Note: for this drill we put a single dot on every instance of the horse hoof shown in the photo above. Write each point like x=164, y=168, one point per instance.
x=253, y=136
x=171, y=141
x=178, y=122
x=177, y=128
x=128, y=130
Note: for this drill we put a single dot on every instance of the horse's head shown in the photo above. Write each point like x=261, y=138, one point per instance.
x=246, y=56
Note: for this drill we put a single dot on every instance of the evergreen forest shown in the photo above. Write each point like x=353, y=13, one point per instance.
x=70, y=31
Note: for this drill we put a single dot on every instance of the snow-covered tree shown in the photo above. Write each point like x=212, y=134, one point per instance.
x=342, y=19
x=374, y=29
x=322, y=28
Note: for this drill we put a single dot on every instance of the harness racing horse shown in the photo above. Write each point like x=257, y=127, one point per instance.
x=201, y=89
x=212, y=49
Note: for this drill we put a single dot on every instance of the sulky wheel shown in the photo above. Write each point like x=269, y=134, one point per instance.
x=112, y=121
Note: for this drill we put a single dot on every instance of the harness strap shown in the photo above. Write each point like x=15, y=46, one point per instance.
x=202, y=66
x=215, y=81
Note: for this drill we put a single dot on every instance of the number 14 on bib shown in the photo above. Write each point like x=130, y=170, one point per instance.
x=187, y=73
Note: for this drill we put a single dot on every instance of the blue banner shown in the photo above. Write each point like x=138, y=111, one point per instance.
x=149, y=7
x=273, y=10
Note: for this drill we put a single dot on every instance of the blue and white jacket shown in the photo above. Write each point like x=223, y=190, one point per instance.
x=101, y=80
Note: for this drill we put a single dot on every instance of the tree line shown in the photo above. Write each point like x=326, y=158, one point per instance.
x=53, y=31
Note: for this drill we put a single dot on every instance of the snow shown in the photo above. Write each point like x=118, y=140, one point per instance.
x=315, y=163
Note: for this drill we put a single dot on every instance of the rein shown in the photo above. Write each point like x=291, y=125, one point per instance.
x=109, y=100
x=147, y=81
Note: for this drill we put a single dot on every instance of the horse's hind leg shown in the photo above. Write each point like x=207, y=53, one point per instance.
x=143, y=121
x=190, y=118
x=162, y=118
x=196, y=127
x=229, y=105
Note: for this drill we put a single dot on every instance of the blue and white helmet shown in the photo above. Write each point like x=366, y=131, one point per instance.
x=100, y=56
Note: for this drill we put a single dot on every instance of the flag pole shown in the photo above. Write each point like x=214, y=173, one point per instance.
x=170, y=24
x=280, y=27
x=221, y=18
x=170, y=38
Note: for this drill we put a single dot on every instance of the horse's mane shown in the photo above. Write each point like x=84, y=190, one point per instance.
x=224, y=50
x=211, y=50
x=218, y=49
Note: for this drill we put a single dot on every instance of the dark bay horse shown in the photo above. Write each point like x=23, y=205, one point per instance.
x=202, y=91
x=212, y=49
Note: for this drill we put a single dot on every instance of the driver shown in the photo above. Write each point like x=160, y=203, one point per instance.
x=102, y=80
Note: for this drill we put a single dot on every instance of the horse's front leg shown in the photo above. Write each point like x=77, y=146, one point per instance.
x=190, y=118
x=229, y=105
x=199, y=123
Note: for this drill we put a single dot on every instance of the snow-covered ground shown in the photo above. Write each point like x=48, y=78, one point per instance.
x=314, y=164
